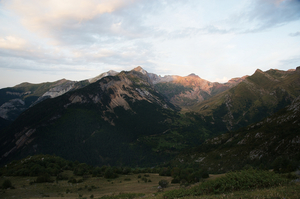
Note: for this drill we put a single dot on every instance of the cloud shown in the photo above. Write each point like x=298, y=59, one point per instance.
x=38, y=14
x=12, y=42
x=295, y=34
x=70, y=21
x=223, y=80
x=265, y=14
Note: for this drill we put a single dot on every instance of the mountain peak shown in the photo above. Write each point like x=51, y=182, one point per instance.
x=141, y=70
x=258, y=71
x=193, y=75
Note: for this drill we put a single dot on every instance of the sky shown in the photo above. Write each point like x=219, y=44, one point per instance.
x=44, y=41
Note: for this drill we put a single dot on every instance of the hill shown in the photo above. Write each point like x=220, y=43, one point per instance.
x=258, y=96
x=271, y=143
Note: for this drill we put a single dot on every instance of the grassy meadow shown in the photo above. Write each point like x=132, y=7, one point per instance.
x=134, y=186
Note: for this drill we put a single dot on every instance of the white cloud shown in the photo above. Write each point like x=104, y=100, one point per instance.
x=12, y=42
x=37, y=14
x=295, y=34
x=222, y=80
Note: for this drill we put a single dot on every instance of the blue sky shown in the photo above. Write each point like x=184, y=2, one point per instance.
x=79, y=39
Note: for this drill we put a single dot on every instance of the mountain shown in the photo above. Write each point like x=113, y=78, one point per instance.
x=190, y=90
x=109, y=73
x=14, y=100
x=275, y=139
x=4, y=123
x=258, y=96
x=116, y=120
x=181, y=91
x=137, y=118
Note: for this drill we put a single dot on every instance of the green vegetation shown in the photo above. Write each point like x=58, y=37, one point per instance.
x=7, y=184
x=94, y=184
x=123, y=195
x=233, y=181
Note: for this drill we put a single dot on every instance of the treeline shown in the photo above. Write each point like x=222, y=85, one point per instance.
x=45, y=167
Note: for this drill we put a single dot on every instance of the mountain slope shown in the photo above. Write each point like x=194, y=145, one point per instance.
x=119, y=119
x=14, y=100
x=276, y=138
x=190, y=90
x=257, y=97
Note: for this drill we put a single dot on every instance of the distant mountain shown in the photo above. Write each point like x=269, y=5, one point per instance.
x=14, y=100
x=118, y=119
x=137, y=118
x=181, y=91
x=258, y=96
x=190, y=90
x=275, y=139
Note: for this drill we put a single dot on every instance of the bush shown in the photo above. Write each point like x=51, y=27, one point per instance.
x=233, y=181
x=43, y=178
x=205, y=175
x=163, y=183
x=7, y=184
x=72, y=180
x=109, y=173
x=175, y=180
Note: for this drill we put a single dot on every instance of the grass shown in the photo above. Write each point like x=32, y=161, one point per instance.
x=96, y=186
x=99, y=187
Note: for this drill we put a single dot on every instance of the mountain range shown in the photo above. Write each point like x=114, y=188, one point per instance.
x=138, y=118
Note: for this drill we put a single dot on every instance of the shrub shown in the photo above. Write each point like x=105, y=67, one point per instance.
x=6, y=184
x=233, y=181
x=163, y=183
x=72, y=180
x=43, y=178
x=109, y=173
x=175, y=180
x=205, y=175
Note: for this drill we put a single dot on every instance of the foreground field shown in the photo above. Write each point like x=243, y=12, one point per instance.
x=97, y=187
x=93, y=186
